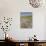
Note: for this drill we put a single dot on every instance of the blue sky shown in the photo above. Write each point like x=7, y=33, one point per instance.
x=26, y=13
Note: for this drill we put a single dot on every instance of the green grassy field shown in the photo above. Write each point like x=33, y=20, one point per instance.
x=26, y=17
x=26, y=21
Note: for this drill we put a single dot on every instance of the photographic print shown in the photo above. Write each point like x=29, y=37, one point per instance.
x=26, y=19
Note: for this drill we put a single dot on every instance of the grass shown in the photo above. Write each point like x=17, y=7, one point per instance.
x=27, y=17
x=26, y=21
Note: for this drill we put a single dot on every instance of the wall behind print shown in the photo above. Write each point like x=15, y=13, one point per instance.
x=12, y=8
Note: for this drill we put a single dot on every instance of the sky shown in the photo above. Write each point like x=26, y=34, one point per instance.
x=26, y=13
